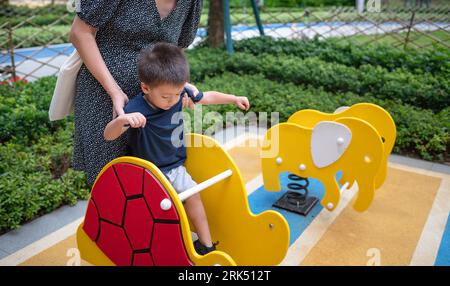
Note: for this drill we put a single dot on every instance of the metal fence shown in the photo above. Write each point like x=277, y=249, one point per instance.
x=34, y=41
x=399, y=27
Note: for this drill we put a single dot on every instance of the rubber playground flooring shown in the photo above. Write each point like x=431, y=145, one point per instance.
x=407, y=224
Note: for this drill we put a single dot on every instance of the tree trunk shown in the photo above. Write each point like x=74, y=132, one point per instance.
x=216, y=35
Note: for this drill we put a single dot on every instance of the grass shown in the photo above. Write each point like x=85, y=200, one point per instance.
x=36, y=36
x=417, y=40
x=287, y=15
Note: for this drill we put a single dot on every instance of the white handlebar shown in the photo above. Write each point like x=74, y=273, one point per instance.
x=203, y=185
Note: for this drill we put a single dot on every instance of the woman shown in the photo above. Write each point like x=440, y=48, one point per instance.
x=108, y=35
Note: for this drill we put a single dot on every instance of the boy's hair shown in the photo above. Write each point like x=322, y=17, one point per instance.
x=163, y=63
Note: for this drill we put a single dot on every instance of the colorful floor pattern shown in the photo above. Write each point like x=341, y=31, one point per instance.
x=407, y=224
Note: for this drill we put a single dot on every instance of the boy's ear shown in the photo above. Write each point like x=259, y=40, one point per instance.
x=145, y=88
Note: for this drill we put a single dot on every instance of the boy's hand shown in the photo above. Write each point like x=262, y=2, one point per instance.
x=242, y=102
x=134, y=120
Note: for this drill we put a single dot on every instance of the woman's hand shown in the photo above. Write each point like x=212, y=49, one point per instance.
x=242, y=102
x=119, y=100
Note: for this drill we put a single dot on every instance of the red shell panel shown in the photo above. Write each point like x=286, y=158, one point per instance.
x=109, y=204
x=131, y=177
x=91, y=221
x=114, y=244
x=154, y=193
x=138, y=224
x=142, y=259
x=167, y=246
x=108, y=197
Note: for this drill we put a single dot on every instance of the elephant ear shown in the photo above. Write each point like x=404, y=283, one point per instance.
x=341, y=109
x=329, y=140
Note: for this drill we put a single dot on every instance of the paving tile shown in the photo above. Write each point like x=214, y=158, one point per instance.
x=40, y=227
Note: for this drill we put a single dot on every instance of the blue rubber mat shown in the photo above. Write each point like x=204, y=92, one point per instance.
x=262, y=200
x=443, y=256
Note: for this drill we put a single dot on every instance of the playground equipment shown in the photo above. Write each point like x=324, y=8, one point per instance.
x=356, y=140
x=135, y=217
x=373, y=114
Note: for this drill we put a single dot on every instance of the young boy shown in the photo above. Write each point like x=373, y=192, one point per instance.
x=164, y=72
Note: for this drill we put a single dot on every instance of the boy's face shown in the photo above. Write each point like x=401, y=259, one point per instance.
x=163, y=96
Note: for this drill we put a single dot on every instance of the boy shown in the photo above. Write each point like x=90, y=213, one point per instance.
x=164, y=72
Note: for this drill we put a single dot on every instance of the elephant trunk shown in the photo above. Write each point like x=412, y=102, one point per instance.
x=366, y=189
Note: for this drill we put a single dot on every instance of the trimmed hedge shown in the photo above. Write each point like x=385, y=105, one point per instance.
x=435, y=61
x=206, y=62
x=24, y=111
x=424, y=90
x=38, y=179
x=35, y=156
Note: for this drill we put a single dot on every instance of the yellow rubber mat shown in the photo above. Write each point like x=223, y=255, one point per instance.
x=62, y=253
x=246, y=156
x=388, y=231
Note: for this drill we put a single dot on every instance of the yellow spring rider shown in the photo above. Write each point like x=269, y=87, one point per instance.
x=135, y=217
x=355, y=140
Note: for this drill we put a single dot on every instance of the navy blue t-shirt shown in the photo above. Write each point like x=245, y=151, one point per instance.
x=154, y=142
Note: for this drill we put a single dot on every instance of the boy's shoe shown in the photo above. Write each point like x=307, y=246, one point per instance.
x=202, y=249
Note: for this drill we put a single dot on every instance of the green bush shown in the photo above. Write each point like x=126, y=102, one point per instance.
x=38, y=179
x=205, y=62
x=24, y=111
x=35, y=156
x=425, y=91
x=24, y=196
x=435, y=61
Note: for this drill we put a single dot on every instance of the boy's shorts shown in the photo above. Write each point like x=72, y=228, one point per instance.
x=180, y=179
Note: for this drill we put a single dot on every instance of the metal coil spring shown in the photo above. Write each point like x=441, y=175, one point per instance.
x=297, y=186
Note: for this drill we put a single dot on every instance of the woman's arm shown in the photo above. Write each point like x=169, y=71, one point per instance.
x=82, y=37
x=216, y=97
